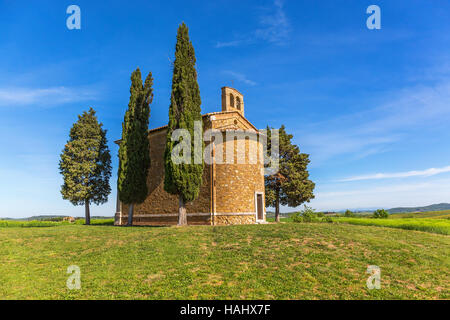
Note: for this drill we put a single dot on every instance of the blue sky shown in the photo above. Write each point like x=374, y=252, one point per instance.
x=371, y=107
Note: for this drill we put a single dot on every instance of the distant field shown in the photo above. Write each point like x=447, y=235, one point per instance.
x=444, y=214
x=441, y=226
x=274, y=261
x=37, y=223
x=433, y=221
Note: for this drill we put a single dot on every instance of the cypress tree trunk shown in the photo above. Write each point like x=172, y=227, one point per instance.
x=182, y=217
x=87, y=212
x=130, y=214
x=277, y=206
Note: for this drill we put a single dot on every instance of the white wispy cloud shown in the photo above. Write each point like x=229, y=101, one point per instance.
x=376, y=129
x=394, y=121
x=233, y=43
x=406, y=174
x=19, y=96
x=274, y=27
x=240, y=77
x=383, y=196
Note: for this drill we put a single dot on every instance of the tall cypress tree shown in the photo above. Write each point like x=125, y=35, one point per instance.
x=290, y=185
x=86, y=164
x=134, y=150
x=184, y=179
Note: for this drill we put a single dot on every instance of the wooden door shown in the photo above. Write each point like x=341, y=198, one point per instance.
x=259, y=206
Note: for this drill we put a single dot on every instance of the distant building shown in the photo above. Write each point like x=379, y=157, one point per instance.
x=232, y=193
x=70, y=219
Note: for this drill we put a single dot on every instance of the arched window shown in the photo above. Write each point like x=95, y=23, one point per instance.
x=238, y=103
x=231, y=100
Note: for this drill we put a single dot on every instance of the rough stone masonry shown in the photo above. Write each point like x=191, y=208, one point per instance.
x=232, y=191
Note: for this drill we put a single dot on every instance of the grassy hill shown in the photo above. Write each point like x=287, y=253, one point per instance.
x=433, y=207
x=274, y=261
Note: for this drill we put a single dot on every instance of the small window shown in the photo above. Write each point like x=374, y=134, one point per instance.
x=238, y=103
x=231, y=100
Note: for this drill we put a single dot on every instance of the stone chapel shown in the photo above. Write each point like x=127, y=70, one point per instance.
x=232, y=190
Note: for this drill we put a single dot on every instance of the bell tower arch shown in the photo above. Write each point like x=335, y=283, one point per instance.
x=232, y=100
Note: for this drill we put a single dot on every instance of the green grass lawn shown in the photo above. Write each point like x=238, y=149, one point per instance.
x=274, y=261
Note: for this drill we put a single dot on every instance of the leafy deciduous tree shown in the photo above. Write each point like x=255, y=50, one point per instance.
x=349, y=214
x=380, y=214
